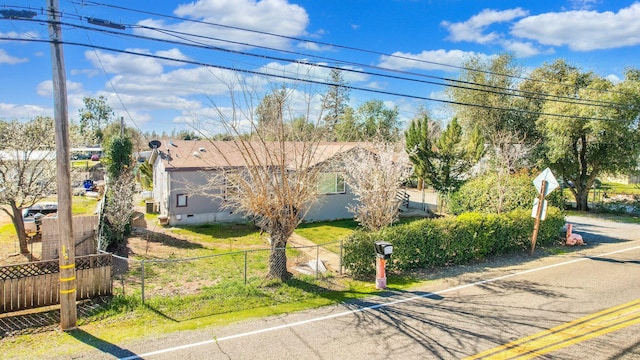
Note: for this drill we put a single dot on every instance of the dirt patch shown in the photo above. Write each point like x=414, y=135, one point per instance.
x=9, y=247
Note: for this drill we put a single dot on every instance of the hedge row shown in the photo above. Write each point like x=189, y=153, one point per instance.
x=451, y=240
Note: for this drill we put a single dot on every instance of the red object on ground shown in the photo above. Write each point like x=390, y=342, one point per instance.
x=573, y=239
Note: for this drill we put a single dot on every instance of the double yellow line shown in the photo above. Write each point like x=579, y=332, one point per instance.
x=573, y=332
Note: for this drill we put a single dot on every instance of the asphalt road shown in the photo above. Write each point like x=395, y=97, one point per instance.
x=581, y=304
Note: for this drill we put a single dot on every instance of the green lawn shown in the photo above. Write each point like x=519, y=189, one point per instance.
x=616, y=188
x=222, y=237
x=83, y=205
x=327, y=231
x=87, y=164
x=332, y=232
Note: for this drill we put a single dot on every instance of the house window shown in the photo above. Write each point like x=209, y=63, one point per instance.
x=331, y=183
x=231, y=190
x=181, y=200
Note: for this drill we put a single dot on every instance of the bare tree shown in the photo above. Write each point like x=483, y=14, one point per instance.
x=375, y=176
x=276, y=183
x=508, y=154
x=27, y=168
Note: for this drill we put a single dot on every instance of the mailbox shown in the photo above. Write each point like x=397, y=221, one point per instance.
x=383, y=249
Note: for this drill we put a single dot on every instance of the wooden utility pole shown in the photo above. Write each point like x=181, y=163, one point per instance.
x=66, y=244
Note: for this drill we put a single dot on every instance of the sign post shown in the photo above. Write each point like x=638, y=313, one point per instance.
x=540, y=208
x=545, y=183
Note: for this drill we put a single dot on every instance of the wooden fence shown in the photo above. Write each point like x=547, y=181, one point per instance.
x=37, y=284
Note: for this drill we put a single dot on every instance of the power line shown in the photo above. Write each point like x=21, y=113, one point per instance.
x=259, y=73
x=572, y=100
x=114, y=88
x=89, y=2
x=466, y=84
x=482, y=87
x=518, y=92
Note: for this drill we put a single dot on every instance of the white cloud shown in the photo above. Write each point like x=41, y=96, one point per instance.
x=302, y=103
x=307, y=45
x=375, y=85
x=180, y=82
x=24, y=35
x=134, y=119
x=319, y=72
x=427, y=60
x=5, y=58
x=583, y=30
x=441, y=111
x=210, y=118
x=172, y=54
x=207, y=120
x=523, y=49
x=614, y=78
x=169, y=101
x=473, y=29
x=45, y=88
x=23, y=112
x=266, y=16
x=301, y=69
x=124, y=63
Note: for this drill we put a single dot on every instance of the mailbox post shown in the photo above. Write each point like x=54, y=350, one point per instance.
x=383, y=252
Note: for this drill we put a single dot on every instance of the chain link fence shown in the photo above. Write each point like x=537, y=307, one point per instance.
x=153, y=278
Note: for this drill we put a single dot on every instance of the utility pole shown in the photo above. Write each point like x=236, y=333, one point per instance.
x=66, y=244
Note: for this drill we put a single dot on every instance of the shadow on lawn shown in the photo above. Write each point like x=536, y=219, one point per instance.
x=100, y=344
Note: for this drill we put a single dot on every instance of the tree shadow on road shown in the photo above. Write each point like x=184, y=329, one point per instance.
x=442, y=326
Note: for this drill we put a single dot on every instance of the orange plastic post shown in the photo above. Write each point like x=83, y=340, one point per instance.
x=381, y=276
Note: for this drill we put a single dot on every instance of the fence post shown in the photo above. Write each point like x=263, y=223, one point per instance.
x=142, y=278
x=317, y=261
x=245, y=268
x=340, y=260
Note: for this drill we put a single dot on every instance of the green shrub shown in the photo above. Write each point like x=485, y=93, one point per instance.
x=357, y=252
x=451, y=240
x=482, y=194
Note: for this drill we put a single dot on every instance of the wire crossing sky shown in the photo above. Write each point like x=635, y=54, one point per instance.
x=161, y=65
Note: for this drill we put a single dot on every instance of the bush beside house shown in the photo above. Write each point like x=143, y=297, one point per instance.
x=451, y=240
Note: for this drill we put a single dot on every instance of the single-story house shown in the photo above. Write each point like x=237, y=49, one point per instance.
x=177, y=164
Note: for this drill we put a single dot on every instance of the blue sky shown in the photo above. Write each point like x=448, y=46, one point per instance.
x=154, y=93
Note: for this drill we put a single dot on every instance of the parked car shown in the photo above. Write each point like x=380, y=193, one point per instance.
x=43, y=208
x=80, y=156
